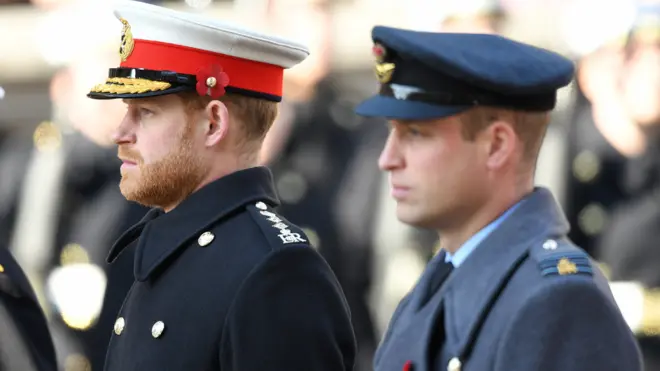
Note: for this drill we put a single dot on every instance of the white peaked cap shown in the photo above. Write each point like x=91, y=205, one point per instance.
x=164, y=51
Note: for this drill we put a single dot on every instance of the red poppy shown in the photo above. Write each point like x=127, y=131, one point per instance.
x=378, y=51
x=211, y=81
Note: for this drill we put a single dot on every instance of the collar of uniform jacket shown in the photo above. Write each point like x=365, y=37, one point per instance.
x=466, y=295
x=162, y=234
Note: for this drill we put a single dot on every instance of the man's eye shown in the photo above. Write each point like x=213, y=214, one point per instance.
x=146, y=112
x=414, y=132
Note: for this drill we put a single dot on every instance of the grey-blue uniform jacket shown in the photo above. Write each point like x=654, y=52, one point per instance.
x=526, y=299
x=222, y=282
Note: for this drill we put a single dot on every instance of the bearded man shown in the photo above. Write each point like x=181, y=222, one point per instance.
x=221, y=281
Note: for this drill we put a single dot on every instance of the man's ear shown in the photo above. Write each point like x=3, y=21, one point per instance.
x=217, y=116
x=502, y=142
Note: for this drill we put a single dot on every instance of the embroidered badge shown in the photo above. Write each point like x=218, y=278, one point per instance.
x=566, y=266
x=383, y=70
x=402, y=92
x=566, y=263
x=127, y=43
x=285, y=233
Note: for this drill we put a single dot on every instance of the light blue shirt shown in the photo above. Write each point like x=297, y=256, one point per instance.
x=471, y=244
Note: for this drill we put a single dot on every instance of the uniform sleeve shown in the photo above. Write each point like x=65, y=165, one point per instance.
x=569, y=325
x=289, y=315
x=14, y=353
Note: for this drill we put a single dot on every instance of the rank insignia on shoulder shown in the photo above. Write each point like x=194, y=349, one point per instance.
x=285, y=233
x=565, y=263
x=560, y=258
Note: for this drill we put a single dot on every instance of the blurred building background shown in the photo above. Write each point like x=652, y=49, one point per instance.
x=60, y=206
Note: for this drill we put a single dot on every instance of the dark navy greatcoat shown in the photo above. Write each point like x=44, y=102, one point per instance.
x=526, y=299
x=224, y=283
x=25, y=339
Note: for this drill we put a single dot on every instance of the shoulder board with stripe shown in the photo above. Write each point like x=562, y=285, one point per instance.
x=561, y=258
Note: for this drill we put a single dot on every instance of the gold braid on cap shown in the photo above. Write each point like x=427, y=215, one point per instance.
x=125, y=85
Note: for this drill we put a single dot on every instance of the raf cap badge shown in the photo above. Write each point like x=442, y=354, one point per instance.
x=383, y=70
x=127, y=43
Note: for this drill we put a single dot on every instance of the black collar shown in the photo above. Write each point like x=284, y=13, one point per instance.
x=162, y=234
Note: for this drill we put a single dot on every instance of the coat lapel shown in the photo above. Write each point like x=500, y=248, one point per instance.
x=469, y=291
x=132, y=234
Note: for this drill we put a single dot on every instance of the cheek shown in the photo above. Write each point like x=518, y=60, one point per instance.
x=154, y=148
x=430, y=165
x=449, y=169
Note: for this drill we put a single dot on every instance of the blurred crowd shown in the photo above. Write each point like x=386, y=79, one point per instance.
x=61, y=210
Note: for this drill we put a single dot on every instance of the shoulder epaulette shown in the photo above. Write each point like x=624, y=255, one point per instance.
x=277, y=229
x=559, y=258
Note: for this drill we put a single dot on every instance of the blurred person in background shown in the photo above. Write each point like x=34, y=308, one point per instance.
x=68, y=210
x=12, y=2
x=601, y=140
x=473, y=16
x=25, y=339
x=628, y=246
x=85, y=293
x=602, y=136
x=595, y=166
x=256, y=294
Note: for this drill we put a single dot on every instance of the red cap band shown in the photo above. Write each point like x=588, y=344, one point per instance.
x=243, y=74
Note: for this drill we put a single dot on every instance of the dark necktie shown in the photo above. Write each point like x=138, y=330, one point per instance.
x=436, y=342
x=439, y=274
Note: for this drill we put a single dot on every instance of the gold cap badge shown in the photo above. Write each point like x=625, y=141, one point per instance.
x=383, y=70
x=127, y=43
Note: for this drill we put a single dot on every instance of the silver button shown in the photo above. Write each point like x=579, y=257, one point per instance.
x=157, y=329
x=120, y=323
x=261, y=206
x=205, y=238
x=454, y=364
x=550, y=245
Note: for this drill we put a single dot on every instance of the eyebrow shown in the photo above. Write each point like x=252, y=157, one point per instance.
x=140, y=101
x=405, y=122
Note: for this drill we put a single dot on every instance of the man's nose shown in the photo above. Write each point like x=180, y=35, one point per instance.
x=390, y=158
x=124, y=133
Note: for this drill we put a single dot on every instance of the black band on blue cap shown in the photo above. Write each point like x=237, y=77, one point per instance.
x=538, y=102
x=416, y=81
